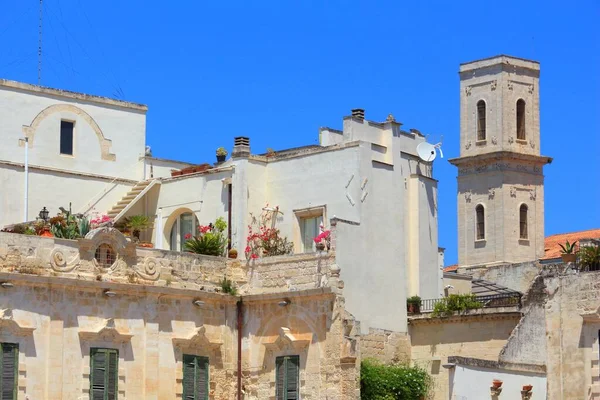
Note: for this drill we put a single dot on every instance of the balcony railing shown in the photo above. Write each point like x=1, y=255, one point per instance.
x=486, y=301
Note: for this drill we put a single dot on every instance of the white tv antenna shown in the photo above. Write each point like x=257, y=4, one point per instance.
x=427, y=151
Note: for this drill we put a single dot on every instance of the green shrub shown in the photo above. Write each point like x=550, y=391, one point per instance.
x=228, y=287
x=393, y=382
x=211, y=239
x=455, y=303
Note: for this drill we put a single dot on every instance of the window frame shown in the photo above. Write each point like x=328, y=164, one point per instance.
x=521, y=119
x=107, y=372
x=284, y=360
x=301, y=215
x=480, y=230
x=206, y=362
x=523, y=208
x=177, y=225
x=60, y=142
x=478, y=122
x=15, y=348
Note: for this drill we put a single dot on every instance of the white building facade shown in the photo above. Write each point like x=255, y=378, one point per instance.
x=91, y=152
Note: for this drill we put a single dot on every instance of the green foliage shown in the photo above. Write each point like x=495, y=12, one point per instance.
x=30, y=231
x=228, y=287
x=275, y=245
x=84, y=226
x=416, y=300
x=211, y=239
x=393, y=382
x=589, y=256
x=19, y=228
x=65, y=231
x=136, y=224
x=455, y=303
x=221, y=151
x=568, y=248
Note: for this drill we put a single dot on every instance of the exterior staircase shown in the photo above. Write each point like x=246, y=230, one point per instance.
x=132, y=197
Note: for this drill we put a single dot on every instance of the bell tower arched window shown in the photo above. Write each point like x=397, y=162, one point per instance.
x=481, y=122
x=523, y=221
x=480, y=221
x=521, y=119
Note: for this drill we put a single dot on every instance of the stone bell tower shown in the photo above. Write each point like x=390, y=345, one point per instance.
x=500, y=169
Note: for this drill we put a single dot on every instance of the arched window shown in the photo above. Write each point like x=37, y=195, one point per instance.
x=521, y=119
x=480, y=217
x=523, y=221
x=105, y=255
x=186, y=224
x=481, y=123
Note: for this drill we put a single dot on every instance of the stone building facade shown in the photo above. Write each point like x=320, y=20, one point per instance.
x=62, y=302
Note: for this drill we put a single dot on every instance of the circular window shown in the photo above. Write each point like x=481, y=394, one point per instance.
x=105, y=255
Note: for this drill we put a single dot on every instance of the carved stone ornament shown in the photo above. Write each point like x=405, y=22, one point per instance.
x=286, y=340
x=493, y=85
x=494, y=140
x=8, y=324
x=511, y=139
x=530, y=89
x=468, y=90
x=513, y=191
x=59, y=262
x=150, y=270
x=390, y=118
x=468, y=197
x=106, y=332
x=197, y=339
x=532, y=144
x=125, y=250
x=532, y=195
x=468, y=145
x=491, y=193
x=510, y=85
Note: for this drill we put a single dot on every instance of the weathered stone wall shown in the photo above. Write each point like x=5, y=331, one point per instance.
x=165, y=304
x=518, y=276
x=479, y=334
x=385, y=346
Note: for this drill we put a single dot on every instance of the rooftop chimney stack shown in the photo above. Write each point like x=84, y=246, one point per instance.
x=241, y=147
x=358, y=113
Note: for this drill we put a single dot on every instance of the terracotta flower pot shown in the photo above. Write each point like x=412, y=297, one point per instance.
x=568, y=258
x=46, y=233
x=320, y=246
x=496, y=383
x=527, y=388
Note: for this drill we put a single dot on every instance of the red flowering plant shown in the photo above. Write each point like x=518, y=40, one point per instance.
x=211, y=239
x=323, y=239
x=263, y=238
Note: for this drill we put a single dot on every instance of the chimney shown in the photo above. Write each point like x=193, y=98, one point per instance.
x=241, y=147
x=358, y=113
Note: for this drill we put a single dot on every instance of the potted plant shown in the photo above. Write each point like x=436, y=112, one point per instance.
x=568, y=254
x=497, y=383
x=136, y=224
x=233, y=253
x=221, y=154
x=527, y=388
x=413, y=305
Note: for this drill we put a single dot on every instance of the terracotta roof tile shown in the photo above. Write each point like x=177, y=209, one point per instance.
x=451, y=268
x=551, y=244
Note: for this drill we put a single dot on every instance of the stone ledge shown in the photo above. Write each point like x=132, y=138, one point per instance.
x=477, y=362
x=483, y=313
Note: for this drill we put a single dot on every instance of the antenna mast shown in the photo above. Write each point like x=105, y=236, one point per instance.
x=40, y=45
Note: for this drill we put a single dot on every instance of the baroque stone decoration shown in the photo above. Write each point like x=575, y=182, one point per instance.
x=468, y=145
x=468, y=197
x=532, y=144
x=30, y=130
x=59, y=262
x=107, y=332
x=8, y=323
x=494, y=140
x=530, y=89
x=125, y=250
x=510, y=85
x=491, y=193
x=468, y=90
x=532, y=195
x=511, y=139
x=493, y=85
x=286, y=340
x=513, y=191
x=197, y=339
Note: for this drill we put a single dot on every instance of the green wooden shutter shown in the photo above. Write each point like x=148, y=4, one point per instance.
x=292, y=369
x=280, y=377
x=9, y=373
x=202, y=378
x=104, y=374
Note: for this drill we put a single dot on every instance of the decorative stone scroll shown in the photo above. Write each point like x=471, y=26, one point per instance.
x=59, y=262
x=151, y=269
x=125, y=250
x=286, y=340
x=8, y=323
x=106, y=332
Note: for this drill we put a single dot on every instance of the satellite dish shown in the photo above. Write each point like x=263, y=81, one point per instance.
x=427, y=151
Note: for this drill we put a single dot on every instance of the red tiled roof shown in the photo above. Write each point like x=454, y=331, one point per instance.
x=551, y=244
x=451, y=268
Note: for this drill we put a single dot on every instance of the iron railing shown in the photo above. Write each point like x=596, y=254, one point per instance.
x=485, y=301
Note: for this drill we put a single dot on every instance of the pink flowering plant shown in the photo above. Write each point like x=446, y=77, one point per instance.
x=323, y=239
x=264, y=239
x=211, y=239
x=99, y=221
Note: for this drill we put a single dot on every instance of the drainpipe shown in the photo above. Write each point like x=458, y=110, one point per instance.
x=240, y=317
x=26, y=194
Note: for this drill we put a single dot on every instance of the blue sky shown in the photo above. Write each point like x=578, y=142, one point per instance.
x=276, y=71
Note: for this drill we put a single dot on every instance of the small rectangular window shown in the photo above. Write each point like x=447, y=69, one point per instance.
x=66, y=137
x=9, y=361
x=309, y=229
x=104, y=374
x=195, y=377
x=287, y=370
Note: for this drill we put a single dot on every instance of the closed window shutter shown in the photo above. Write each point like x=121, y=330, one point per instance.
x=292, y=371
x=112, y=375
x=202, y=378
x=280, y=377
x=189, y=377
x=98, y=371
x=9, y=362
